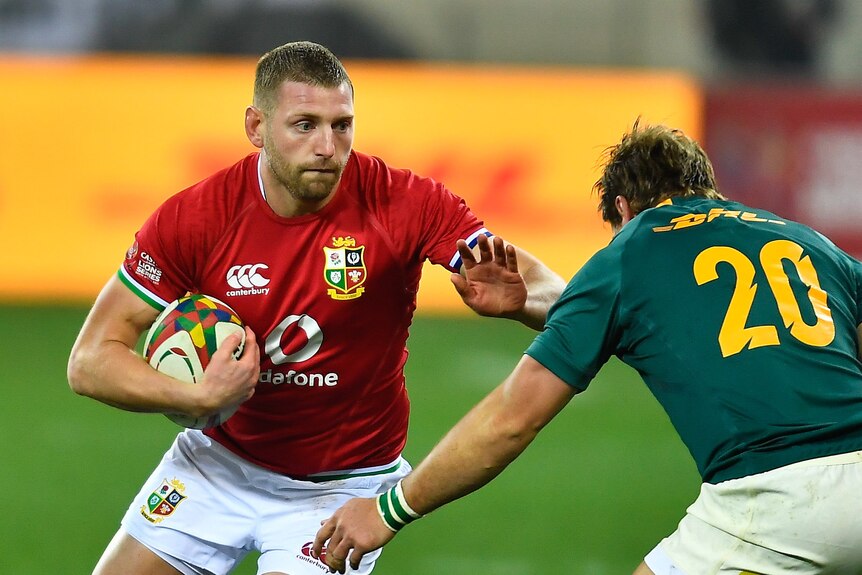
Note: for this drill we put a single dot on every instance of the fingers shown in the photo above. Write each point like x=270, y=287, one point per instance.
x=467, y=257
x=323, y=534
x=353, y=531
x=460, y=283
x=332, y=554
x=505, y=256
x=335, y=563
x=336, y=556
x=486, y=253
x=250, y=338
x=230, y=346
x=250, y=350
x=511, y=258
x=338, y=548
x=233, y=345
x=333, y=547
x=490, y=250
x=499, y=253
x=230, y=378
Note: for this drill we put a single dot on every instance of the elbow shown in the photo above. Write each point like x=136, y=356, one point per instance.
x=77, y=374
x=75, y=378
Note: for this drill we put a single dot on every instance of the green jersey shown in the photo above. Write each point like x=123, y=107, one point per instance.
x=742, y=324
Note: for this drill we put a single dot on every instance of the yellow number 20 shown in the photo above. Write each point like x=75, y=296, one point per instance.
x=734, y=336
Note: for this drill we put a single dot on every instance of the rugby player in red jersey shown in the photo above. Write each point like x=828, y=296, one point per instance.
x=319, y=249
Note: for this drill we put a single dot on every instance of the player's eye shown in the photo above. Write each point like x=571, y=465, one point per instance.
x=343, y=126
x=304, y=126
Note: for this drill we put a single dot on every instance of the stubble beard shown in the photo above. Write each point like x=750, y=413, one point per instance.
x=306, y=189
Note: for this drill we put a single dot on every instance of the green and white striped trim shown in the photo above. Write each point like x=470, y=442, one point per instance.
x=394, y=510
x=351, y=473
x=155, y=301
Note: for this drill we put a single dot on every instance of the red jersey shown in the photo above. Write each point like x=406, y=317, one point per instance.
x=330, y=297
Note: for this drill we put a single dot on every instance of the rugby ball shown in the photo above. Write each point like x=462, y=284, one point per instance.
x=182, y=340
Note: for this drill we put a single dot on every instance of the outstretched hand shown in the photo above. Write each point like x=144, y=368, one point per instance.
x=353, y=530
x=491, y=286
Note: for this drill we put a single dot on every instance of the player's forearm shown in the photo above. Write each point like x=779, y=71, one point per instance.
x=113, y=373
x=543, y=289
x=475, y=451
x=489, y=437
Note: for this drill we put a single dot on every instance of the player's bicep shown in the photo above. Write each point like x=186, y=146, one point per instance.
x=118, y=315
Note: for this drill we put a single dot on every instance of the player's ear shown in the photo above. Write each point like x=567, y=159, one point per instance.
x=254, y=125
x=624, y=209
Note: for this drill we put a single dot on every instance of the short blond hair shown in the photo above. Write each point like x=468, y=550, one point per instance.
x=304, y=62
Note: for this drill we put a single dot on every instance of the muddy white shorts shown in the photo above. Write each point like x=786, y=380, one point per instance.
x=204, y=508
x=804, y=518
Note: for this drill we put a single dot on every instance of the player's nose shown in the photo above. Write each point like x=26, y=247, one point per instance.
x=325, y=143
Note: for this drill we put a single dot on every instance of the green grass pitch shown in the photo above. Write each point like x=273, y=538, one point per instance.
x=598, y=488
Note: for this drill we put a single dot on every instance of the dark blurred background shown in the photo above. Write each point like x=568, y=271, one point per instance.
x=709, y=38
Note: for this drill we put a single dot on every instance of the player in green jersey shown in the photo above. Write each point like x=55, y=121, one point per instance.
x=745, y=327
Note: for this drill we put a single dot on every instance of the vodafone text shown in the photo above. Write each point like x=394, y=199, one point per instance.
x=297, y=378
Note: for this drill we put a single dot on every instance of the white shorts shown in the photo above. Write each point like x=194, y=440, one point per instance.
x=804, y=518
x=204, y=508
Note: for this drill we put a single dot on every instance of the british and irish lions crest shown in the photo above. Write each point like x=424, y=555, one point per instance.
x=164, y=500
x=344, y=270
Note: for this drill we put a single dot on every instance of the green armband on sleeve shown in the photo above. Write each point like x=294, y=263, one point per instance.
x=393, y=509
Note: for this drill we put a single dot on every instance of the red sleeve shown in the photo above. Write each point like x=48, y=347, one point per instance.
x=446, y=219
x=424, y=217
x=172, y=248
x=159, y=266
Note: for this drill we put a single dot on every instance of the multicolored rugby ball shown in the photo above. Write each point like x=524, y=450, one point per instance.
x=182, y=340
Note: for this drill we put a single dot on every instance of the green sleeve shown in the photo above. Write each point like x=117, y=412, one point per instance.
x=580, y=334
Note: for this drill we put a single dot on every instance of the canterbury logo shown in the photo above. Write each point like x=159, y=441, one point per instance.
x=247, y=276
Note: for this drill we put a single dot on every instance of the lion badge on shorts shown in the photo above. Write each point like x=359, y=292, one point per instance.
x=164, y=500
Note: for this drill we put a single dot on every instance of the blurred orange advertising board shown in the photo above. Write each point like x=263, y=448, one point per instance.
x=89, y=146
